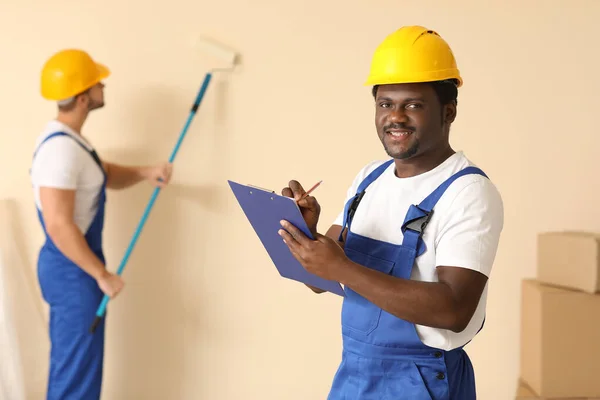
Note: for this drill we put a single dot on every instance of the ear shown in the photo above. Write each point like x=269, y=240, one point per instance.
x=450, y=113
x=83, y=98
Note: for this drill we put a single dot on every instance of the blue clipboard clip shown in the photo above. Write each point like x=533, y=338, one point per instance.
x=264, y=209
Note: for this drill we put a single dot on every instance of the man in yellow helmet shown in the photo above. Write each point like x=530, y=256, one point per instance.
x=69, y=182
x=415, y=243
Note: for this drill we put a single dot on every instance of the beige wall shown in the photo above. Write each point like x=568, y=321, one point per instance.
x=199, y=312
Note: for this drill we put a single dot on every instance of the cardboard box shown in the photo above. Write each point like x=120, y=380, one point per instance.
x=560, y=341
x=569, y=259
x=525, y=393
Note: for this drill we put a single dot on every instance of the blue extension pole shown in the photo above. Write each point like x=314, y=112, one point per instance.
x=102, y=308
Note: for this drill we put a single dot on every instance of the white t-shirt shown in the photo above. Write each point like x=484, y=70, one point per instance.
x=463, y=231
x=62, y=163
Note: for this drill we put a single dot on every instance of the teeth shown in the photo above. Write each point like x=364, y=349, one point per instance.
x=399, y=134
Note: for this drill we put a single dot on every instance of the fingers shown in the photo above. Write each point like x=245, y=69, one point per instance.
x=166, y=172
x=294, y=190
x=117, y=285
x=111, y=292
x=162, y=174
x=297, y=189
x=292, y=234
x=111, y=284
x=288, y=238
x=292, y=245
x=309, y=202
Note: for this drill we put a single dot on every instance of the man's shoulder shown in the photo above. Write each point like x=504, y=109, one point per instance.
x=54, y=146
x=478, y=183
x=472, y=196
x=57, y=135
x=476, y=188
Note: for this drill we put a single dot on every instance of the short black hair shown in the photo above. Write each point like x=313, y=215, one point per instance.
x=446, y=90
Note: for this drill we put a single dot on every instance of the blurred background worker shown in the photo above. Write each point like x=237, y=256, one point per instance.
x=69, y=184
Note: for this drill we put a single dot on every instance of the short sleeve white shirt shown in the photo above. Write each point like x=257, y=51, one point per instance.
x=61, y=162
x=464, y=229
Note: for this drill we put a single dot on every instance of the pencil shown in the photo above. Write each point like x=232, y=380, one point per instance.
x=316, y=185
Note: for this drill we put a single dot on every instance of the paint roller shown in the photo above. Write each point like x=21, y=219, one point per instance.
x=228, y=58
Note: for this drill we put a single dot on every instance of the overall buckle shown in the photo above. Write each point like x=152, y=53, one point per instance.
x=419, y=224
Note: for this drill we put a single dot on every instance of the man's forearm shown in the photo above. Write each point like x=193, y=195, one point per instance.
x=423, y=303
x=71, y=242
x=121, y=176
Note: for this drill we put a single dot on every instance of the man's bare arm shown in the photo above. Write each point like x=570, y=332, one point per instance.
x=58, y=207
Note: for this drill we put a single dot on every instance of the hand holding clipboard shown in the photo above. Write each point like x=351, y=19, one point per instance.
x=318, y=254
x=265, y=210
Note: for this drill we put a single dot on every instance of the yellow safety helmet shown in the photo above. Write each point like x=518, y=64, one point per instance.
x=70, y=72
x=413, y=54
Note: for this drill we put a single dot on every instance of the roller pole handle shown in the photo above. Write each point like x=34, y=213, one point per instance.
x=102, y=308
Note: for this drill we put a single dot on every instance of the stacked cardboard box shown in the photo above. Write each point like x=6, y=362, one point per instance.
x=560, y=320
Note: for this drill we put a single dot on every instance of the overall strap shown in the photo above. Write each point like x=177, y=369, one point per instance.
x=430, y=201
x=352, y=203
x=418, y=216
x=91, y=152
x=55, y=134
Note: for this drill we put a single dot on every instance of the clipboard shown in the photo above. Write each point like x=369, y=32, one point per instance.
x=264, y=210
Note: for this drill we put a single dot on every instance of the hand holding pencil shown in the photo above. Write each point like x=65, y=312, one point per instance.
x=308, y=204
x=305, y=195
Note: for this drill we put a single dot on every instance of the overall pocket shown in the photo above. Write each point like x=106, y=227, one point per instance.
x=359, y=314
x=405, y=381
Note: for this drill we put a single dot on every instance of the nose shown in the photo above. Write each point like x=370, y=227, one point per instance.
x=397, y=115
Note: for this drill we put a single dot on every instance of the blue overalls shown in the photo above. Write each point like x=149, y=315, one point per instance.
x=383, y=357
x=76, y=356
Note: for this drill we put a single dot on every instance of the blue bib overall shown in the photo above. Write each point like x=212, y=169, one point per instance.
x=76, y=356
x=383, y=357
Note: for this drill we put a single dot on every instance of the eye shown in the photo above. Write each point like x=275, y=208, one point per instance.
x=384, y=104
x=413, y=105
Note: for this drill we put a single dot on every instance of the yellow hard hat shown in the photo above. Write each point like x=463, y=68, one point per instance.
x=70, y=72
x=413, y=54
